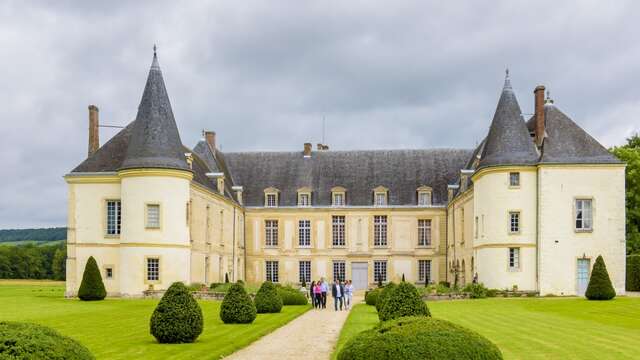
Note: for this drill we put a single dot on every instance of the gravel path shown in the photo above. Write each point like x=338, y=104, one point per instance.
x=310, y=336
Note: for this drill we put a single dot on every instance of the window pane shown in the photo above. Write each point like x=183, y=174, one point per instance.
x=271, y=271
x=514, y=179
x=339, y=270
x=304, y=233
x=153, y=216
x=271, y=232
x=424, y=271
x=113, y=217
x=424, y=232
x=380, y=271
x=338, y=229
x=380, y=230
x=271, y=200
x=153, y=269
x=514, y=225
x=305, y=271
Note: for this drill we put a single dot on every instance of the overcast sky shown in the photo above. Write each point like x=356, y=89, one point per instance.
x=263, y=74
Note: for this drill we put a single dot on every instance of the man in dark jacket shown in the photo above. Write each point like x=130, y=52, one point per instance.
x=337, y=291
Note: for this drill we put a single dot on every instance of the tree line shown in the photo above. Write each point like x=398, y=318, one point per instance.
x=33, y=262
x=630, y=153
x=44, y=234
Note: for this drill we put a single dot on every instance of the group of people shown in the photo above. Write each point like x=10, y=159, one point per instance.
x=342, y=293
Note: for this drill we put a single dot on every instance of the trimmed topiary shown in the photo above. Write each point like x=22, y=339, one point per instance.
x=178, y=317
x=600, y=287
x=31, y=341
x=267, y=299
x=291, y=296
x=237, y=307
x=371, y=297
x=404, y=300
x=418, y=338
x=91, y=287
x=384, y=295
x=633, y=273
x=476, y=291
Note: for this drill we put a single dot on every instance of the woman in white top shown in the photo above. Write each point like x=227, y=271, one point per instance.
x=348, y=292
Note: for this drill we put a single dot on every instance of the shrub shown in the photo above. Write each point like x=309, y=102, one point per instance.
x=476, y=291
x=178, y=317
x=413, y=338
x=600, y=287
x=291, y=296
x=404, y=300
x=445, y=284
x=633, y=273
x=384, y=295
x=31, y=341
x=492, y=292
x=195, y=286
x=237, y=307
x=92, y=287
x=371, y=296
x=267, y=299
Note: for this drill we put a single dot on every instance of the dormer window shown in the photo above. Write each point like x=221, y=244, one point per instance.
x=271, y=197
x=304, y=197
x=424, y=196
x=380, y=196
x=338, y=196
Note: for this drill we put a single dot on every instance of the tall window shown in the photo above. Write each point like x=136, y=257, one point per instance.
x=305, y=271
x=271, y=271
x=381, y=199
x=584, y=215
x=304, y=199
x=153, y=216
x=271, y=232
x=514, y=258
x=113, y=217
x=339, y=270
x=424, y=198
x=380, y=270
x=338, y=230
x=475, y=228
x=153, y=269
x=272, y=200
x=338, y=199
x=380, y=230
x=424, y=271
x=514, y=221
x=514, y=179
x=304, y=233
x=424, y=232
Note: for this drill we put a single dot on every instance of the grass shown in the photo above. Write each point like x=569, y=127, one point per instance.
x=119, y=328
x=34, y=242
x=536, y=328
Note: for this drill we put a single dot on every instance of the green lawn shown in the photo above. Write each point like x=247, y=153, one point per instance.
x=540, y=328
x=119, y=329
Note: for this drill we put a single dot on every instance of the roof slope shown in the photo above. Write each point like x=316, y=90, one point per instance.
x=155, y=141
x=108, y=157
x=508, y=141
x=401, y=171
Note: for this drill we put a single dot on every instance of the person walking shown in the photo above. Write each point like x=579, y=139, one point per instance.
x=348, y=291
x=317, y=294
x=324, y=288
x=337, y=292
x=312, y=295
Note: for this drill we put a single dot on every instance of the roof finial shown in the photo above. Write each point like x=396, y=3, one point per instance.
x=154, y=50
x=507, y=80
x=154, y=63
x=548, y=100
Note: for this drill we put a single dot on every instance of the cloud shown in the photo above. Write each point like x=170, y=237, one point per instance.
x=411, y=74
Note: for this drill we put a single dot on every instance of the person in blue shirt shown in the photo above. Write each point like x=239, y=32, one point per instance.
x=337, y=291
x=325, y=288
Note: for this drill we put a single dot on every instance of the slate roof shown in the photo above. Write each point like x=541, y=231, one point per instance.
x=401, y=171
x=508, y=141
x=214, y=160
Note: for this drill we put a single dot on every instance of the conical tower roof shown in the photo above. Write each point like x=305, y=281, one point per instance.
x=155, y=141
x=508, y=141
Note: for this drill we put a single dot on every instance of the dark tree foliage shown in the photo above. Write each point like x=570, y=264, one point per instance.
x=600, y=287
x=45, y=234
x=91, y=287
x=31, y=341
x=178, y=317
x=384, y=295
x=267, y=299
x=226, y=278
x=237, y=307
x=630, y=154
x=633, y=273
x=403, y=301
x=418, y=338
x=31, y=262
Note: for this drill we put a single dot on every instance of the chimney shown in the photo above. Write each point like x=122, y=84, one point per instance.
x=94, y=134
x=238, y=190
x=210, y=136
x=307, y=149
x=322, y=147
x=539, y=114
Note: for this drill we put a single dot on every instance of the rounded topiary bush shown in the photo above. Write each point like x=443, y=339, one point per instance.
x=633, y=273
x=384, y=295
x=31, y=341
x=404, y=300
x=600, y=287
x=413, y=338
x=237, y=307
x=291, y=296
x=267, y=299
x=91, y=287
x=371, y=296
x=178, y=317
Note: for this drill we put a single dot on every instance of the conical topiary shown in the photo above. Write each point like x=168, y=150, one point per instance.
x=178, y=317
x=237, y=307
x=92, y=287
x=600, y=287
x=403, y=301
x=384, y=295
x=226, y=278
x=267, y=299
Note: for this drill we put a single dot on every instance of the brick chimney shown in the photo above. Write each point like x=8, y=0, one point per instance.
x=210, y=136
x=94, y=134
x=307, y=149
x=539, y=114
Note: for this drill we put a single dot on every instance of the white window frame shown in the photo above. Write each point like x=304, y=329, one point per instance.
x=304, y=271
x=271, y=200
x=304, y=198
x=114, y=217
x=514, y=179
x=271, y=233
x=380, y=228
x=514, y=259
x=515, y=222
x=304, y=233
x=152, y=220
x=583, y=218
x=424, y=271
x=380, y=268
x=153, y=269
x=424, y=232
x=424, y=198
x=338, y=230
x=380, y=198
x=271, y=271
x=337, y=199
x=339, y=270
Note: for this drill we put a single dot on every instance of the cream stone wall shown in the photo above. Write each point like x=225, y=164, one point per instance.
x=461, y=239
x=561, y=245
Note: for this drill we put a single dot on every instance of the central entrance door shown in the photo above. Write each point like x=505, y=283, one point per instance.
x=584, y=265
x=360, y=275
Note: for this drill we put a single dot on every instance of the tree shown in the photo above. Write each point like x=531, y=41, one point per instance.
x=267, y=299
x=226, y=278
x=237, y=307
x=402, y=277
x=630, y=153
x=600, y=287
x=92, y=287
x=59, y=264
x=633, y=273
x=178, y=317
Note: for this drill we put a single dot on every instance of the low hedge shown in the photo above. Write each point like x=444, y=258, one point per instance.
x=476, y=291
x=384, y=295
x=371, y=296
x=291, y=296
x=633, y=273
x=267, y=299
x=418, y=338
x=404, y=300
x=178, y=317
x=31, y=341
x=237, y=307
